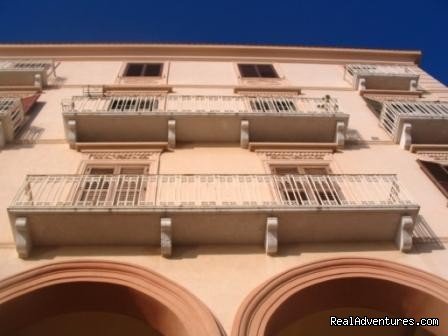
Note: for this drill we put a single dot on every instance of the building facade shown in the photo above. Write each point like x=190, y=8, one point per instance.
x=221, y=190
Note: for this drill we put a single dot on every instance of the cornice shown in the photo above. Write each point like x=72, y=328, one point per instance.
x=124, y=50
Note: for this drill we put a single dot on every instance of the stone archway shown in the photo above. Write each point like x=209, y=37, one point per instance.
x=300, y=301
x=101, y=292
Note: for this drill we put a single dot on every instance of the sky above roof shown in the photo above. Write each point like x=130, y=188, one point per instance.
x=385, y=24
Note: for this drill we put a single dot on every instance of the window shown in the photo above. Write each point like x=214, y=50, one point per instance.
x=143, y=70
x=257, y=71
x=438, y=173
x=134, y=104
x=113, y=185
x=271, y=104
x=307, y=185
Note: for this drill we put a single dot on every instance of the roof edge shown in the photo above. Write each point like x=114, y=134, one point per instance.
x=62, y=50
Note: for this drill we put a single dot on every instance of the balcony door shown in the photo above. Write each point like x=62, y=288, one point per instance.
x=306, y=185
x=113, y=185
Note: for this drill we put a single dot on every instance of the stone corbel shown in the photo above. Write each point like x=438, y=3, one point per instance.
x=166, y=243
x=244, y=138
x=406, y=137
x=271, y=238
x=340, y=134
x=361, y=84
x=403, y=238
x=71, y=132
x=38, y=81
x=2, y=136
x=413, y=85
x=22, y=237
x=171, y=134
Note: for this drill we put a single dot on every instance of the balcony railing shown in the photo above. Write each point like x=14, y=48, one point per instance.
x=379, y=69
x=25, y=65
x=6, y=104
x=393, y=112
x=63, y=192
x=11, y=117
x=199, y=105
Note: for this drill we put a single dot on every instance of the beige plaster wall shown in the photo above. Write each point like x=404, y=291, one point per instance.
x=220, y=277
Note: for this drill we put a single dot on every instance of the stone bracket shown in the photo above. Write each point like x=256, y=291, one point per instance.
x=244, y=138
x=166, y=243
x=2, y=136
x=38, y=81
x=413, y=85
x=71, y=132
x=361, y=84
x=22, y=237
x=340, y=134
x=403, y=238
x=271, y=239
x=171, y=134
x=406, y=137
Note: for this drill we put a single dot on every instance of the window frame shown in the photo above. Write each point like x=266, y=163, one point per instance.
x=256, y=68
x=143, y=70
x=434, y=179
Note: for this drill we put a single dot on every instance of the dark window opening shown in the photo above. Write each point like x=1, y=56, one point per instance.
x=438, y=173
x=257, y=71
x=143, y=70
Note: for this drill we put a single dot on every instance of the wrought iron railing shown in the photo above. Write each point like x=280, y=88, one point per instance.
x=393, y=111
x=210, y=191
x=26, y=65
x=199, y=104
x=12, y=112
x=380, y=69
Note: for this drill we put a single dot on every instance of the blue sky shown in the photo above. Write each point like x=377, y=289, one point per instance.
x=395, y=24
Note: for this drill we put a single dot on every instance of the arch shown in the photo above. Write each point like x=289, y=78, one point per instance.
x=112, y=287
x=308, y=289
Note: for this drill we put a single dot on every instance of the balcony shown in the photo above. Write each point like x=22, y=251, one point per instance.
x=381, y=77
x=167, y=210
x=415, y=122
x=11, y=119
x=181, y=118
x=27, y=72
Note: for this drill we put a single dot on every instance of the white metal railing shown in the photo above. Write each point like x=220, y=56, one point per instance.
x=11, y=110
x=199, y=104
x=26, y=65
x=393, y=111
x=380, y=69
x=6, y=104
x=210, y=191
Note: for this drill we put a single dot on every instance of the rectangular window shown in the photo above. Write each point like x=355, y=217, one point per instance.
x=143, y=70
x=257, y=71
x=133, y=104
x=438, y=173
x=271, y=105
x=113, y=185
x=302, y=184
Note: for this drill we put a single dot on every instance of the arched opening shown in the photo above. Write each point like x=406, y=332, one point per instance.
x=301, y=301
x=99, y=298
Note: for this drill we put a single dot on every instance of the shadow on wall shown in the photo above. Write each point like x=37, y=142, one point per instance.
x=354, y=140
x=425, y=240
x=30, y=134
